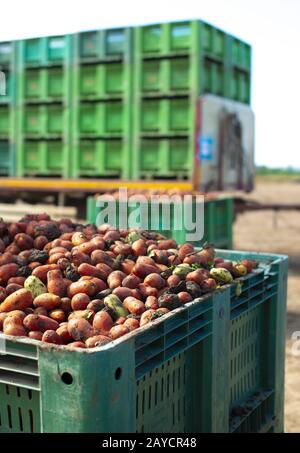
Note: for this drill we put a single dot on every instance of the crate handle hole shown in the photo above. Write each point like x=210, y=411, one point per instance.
x=118, y=373
x=67, y=378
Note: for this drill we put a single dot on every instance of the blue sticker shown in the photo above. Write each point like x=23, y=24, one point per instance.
x=205, y=147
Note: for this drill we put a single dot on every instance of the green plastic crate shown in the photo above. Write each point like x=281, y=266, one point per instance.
x=50, y=50
x=166, y=116
x=167, y=75
x=240, y=86
x=101, y=118
x=43, y=145
x=218, y=218
x=101, y=158
x=102, y=80
x=162, y=157
x=175, y=77
x=45, y=120
x=45, y=70
x=43, y=84
x=43, y=158
x=111, y=44
x=171, y=376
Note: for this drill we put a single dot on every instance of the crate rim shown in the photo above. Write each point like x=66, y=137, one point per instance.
x=264, y=256
x=135, y=197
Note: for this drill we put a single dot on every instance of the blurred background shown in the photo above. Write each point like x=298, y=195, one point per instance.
x=50, y=117
x=271, y=27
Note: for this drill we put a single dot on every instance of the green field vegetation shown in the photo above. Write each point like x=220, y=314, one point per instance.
x=277, y=174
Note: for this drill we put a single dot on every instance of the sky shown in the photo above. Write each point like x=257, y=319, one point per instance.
x=270, y=26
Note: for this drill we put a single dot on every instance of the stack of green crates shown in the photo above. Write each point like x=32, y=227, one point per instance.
x=7, y=111
x=115, y=103
x=102, y=103
x=44, y=84
x=174, y=64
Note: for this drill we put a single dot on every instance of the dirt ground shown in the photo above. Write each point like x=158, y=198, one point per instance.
x=265, y=231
